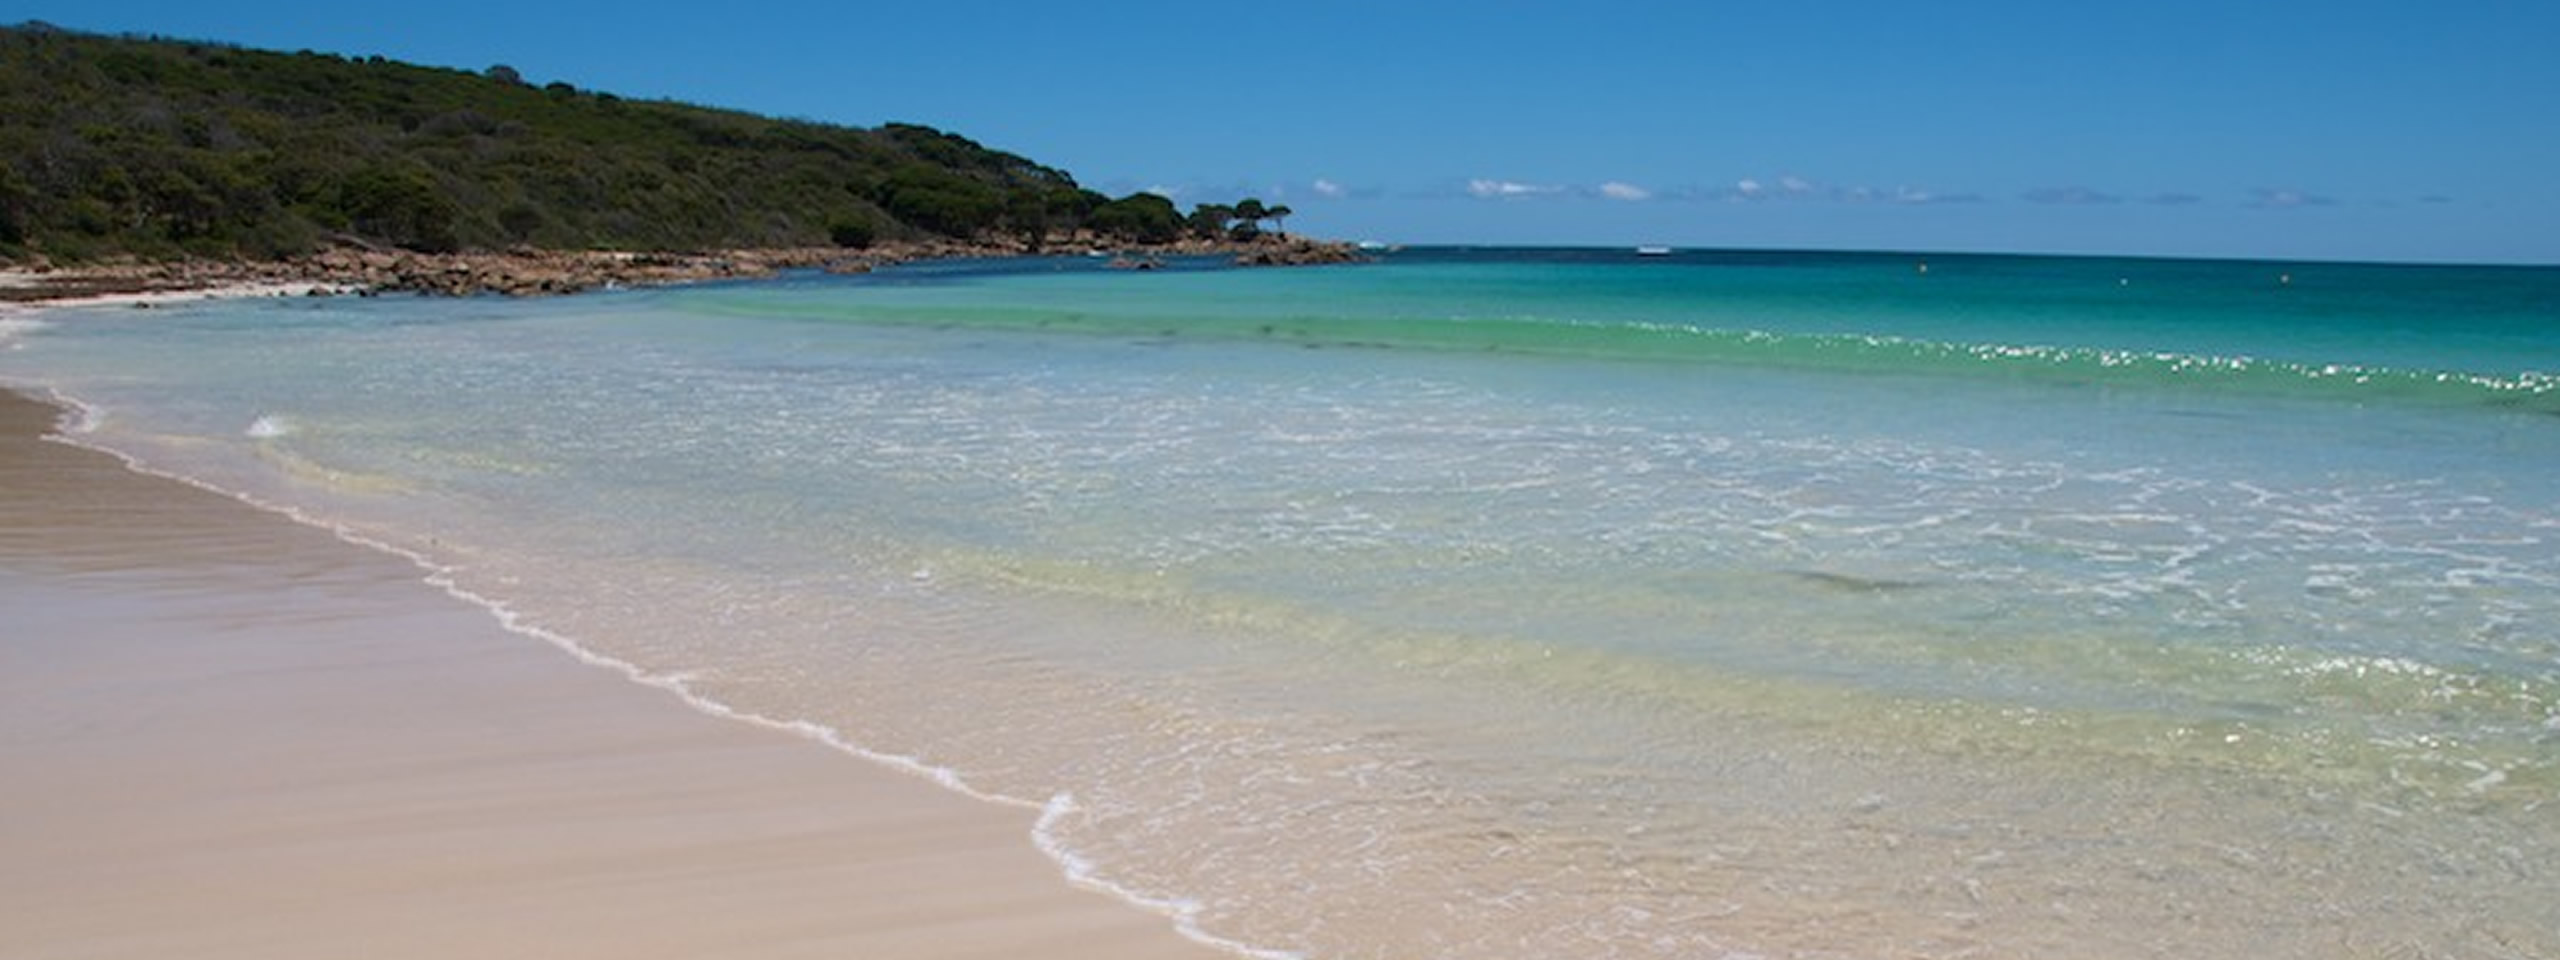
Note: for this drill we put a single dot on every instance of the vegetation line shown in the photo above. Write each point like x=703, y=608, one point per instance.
x=124, y=149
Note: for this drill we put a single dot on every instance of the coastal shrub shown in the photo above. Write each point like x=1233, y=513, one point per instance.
x=520, y=221
x=1069, y=205
x=941, y=201
x=1209, y=221
x=127, y=146
x=401, y=207
x=16, y=200
x=1026, y=214
x=1139, y=218
x=854, y=234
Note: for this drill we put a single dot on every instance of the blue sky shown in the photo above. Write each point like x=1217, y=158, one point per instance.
x=2336, y=130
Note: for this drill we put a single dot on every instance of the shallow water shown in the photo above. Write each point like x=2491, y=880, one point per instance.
x=1513, y=603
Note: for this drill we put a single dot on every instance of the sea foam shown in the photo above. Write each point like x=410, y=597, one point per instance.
x=15, y=329
x=268, y=427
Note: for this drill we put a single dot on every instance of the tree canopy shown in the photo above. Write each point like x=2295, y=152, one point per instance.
x=1239, y=221
x=164, y=148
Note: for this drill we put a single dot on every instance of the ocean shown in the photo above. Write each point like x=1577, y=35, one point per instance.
x=1495, y=603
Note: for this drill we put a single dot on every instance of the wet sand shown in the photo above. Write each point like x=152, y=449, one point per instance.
x=224, y=734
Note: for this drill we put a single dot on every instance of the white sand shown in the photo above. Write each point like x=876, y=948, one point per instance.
x=226, y=735
x=154, y=298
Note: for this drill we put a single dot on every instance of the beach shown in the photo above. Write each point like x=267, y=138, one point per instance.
x=1471, y=604
x=227, y=734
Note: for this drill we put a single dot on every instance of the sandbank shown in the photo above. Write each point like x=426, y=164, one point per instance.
x=226, y=734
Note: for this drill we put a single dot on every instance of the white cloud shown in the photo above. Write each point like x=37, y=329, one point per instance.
x=1506, y=188
x=1616, y=190
x=1755, y=188
x=2072, y=196
x=1328, y=188
x=1169, y=193
x=1792, y=189
x=1915, y=196
x=2273, y=199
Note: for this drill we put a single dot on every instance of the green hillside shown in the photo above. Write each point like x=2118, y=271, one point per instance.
x=160, y=149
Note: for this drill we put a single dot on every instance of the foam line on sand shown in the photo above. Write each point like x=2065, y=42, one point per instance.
x=225, y=734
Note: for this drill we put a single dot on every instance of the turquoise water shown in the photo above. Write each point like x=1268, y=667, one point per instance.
x=1497, y=603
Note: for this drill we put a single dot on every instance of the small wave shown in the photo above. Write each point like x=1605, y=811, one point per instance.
x=79, y=417
x=1080, y=871
x=1076, y=868
x=14, y=329
x=1860, y=353
x=268, y=427
x=1852, y=353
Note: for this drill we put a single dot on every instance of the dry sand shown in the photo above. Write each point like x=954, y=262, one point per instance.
x=22, y=292
x=224, y=734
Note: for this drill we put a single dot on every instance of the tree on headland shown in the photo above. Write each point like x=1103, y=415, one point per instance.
x=1249, y=216
x=855, y=234
x=1139, y=218
x=941, y=201
x=156, y=149
x=402, y=206
x=15, y=201
x=1209, y=221
x=1239, y=222
x=1026, y=215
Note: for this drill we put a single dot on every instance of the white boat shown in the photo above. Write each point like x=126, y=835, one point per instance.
x=1653, y=251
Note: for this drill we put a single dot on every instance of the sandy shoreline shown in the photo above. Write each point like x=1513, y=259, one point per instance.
x=224, y=734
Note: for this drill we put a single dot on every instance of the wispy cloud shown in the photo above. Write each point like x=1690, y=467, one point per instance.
x=1905, y=196
x=2071, y=196
x=1616, y=190
x=1914, y=196
x=1755, y=188
x=2173, y=199
x=1747, y=189
x=1793, y=187
x=2279, y=199
x=1328, y=188
x=1495, y=189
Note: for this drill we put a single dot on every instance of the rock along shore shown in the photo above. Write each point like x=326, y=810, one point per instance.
x=525, y=272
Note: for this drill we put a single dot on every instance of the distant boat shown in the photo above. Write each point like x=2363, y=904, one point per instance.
x=1652, y=251
x=1372, y=245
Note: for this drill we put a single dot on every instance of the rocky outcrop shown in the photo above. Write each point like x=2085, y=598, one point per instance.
x=548, y=272
x=1298, y=252
x=366, y=271
x=517, y=273
x=1267, y=250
